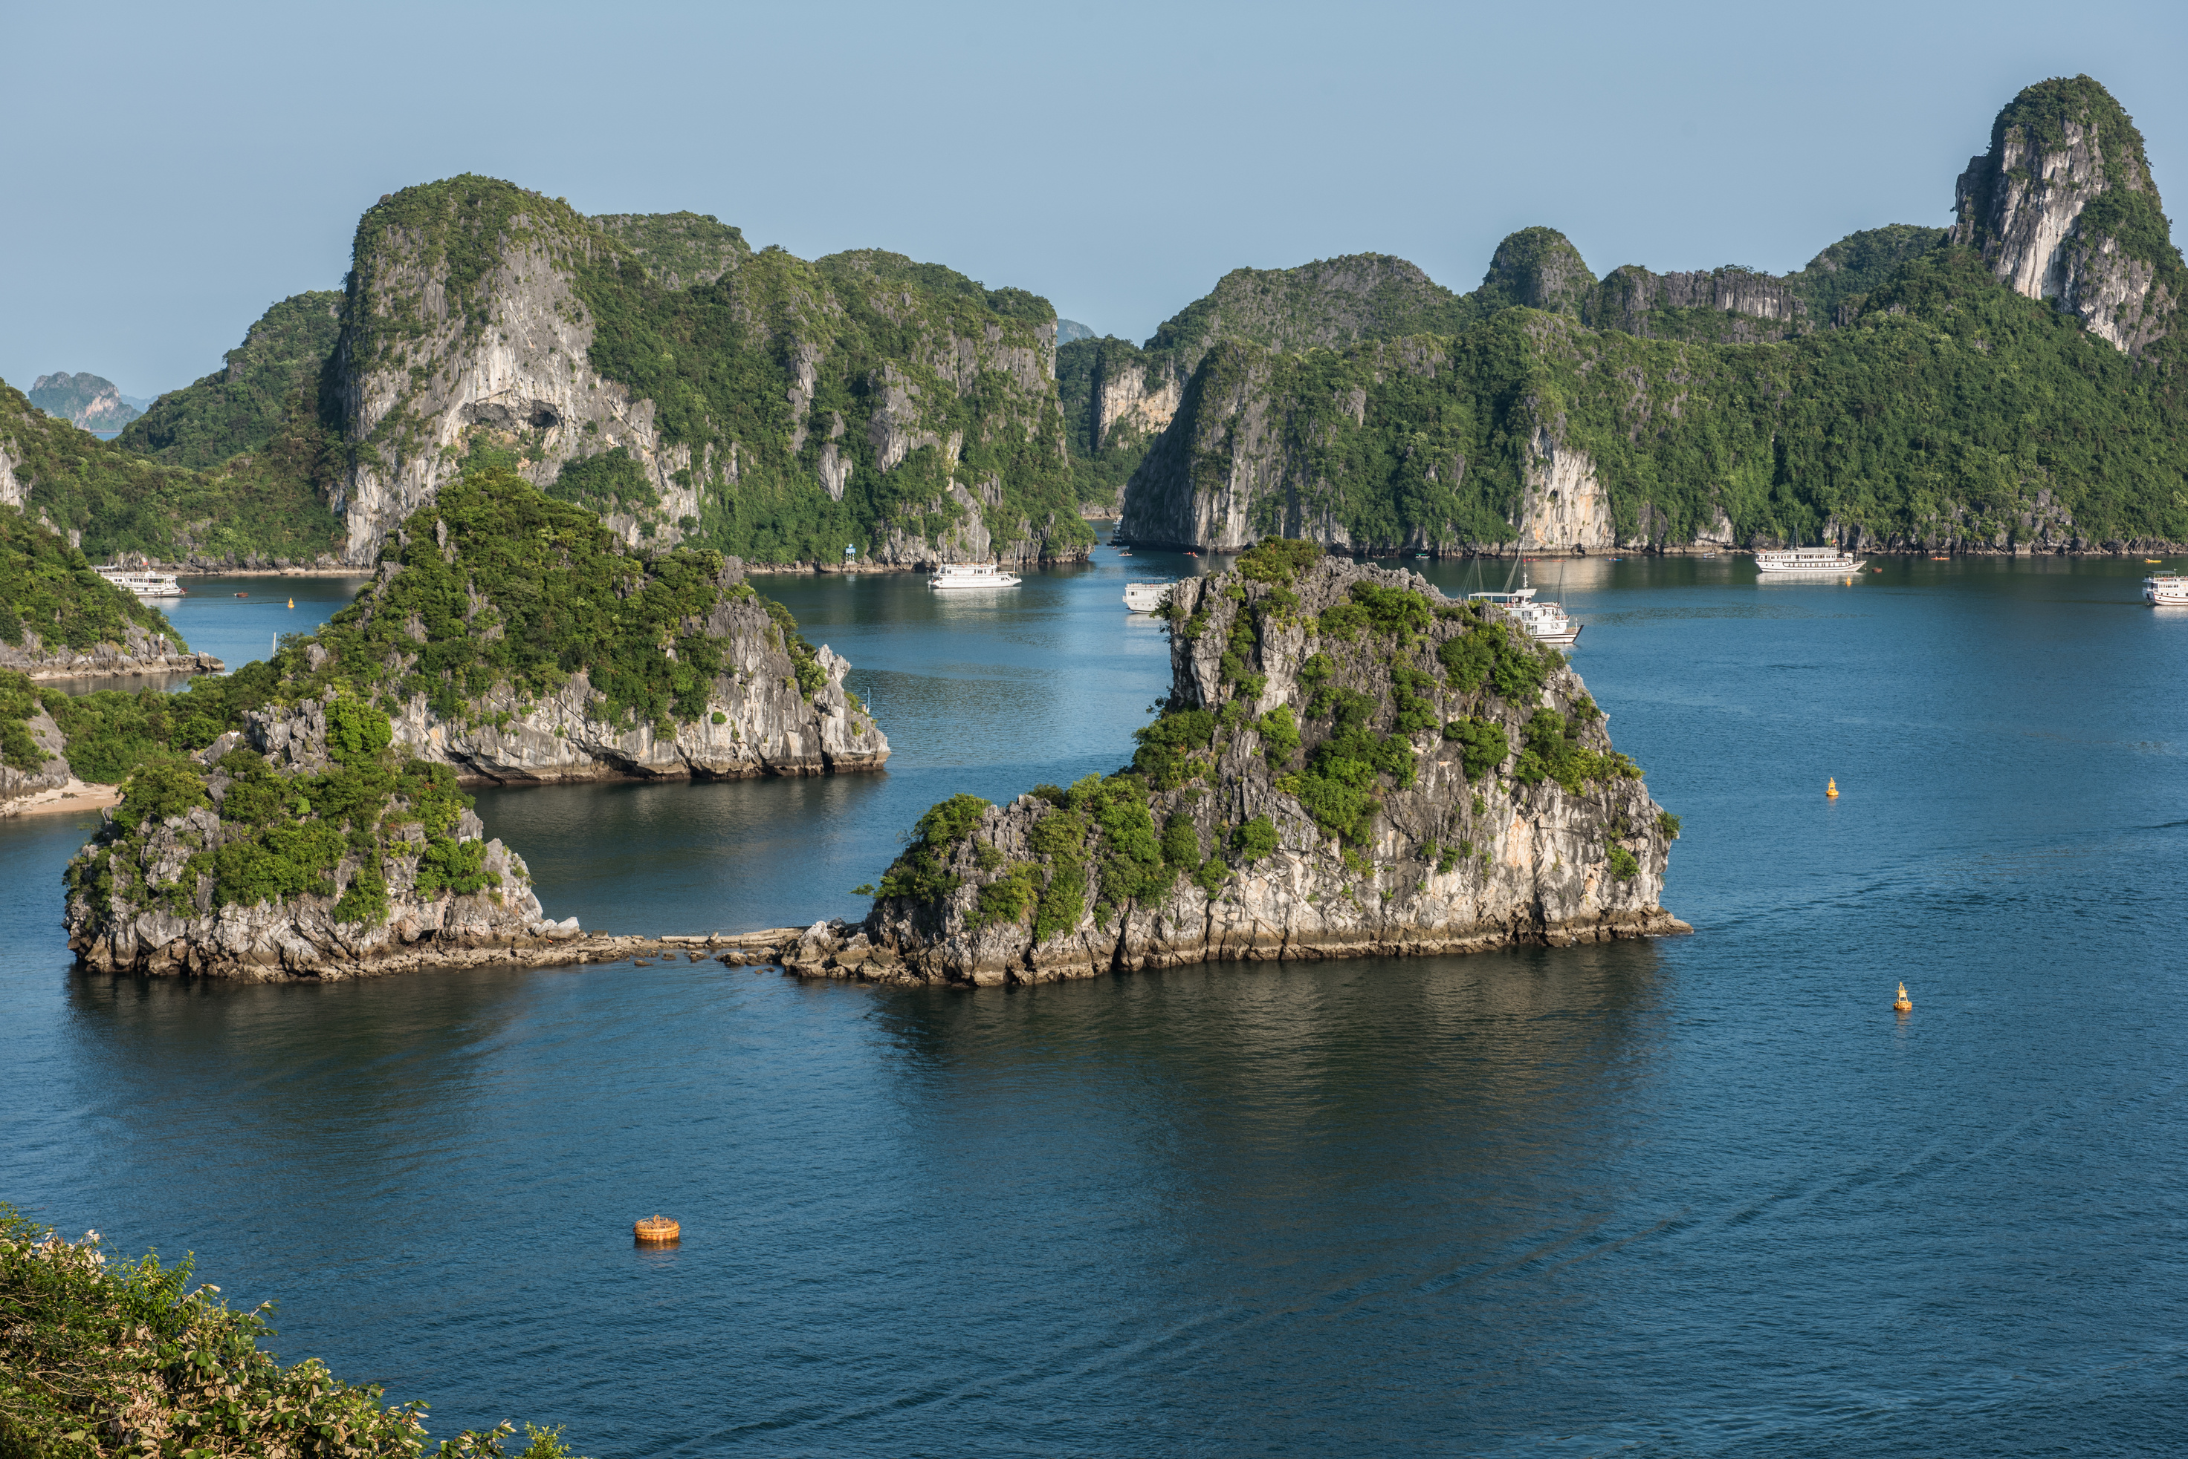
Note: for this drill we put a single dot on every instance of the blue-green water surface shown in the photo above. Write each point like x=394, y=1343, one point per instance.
x=1705, y=1195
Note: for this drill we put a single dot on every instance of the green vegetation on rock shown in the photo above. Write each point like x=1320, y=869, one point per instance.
x=259, y=506
x=112, y=1358
x=48, y=588
x=265, y=385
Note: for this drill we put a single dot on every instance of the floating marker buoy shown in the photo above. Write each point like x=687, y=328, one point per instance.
x=1831, y=789
x=292, y=602
x=656, y=1230
x=1902, y=1004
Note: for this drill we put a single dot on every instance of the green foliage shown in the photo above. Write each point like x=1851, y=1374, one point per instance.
x=1279, y=736
x=875, y=326
x=158, y=791
x=918, y=874
x=1486, y=744
x=1667, y=825
x=18, y=702
x=267, y=503
x=50, y=589
x=804, y=659
x=1061, y=837
x=612, y=481
x=1554, y=752
x=1413, y=693
x=1499, y=655
x=1129, y=864
x=1858, y=263
x=528, y=592
x=101, y=1352
x=111, y=732
x=1007, y=899
x=1624, y=864
x=356, y=732
x=454, y=866
x=1400, y=611
x=1254, y=840
x=1279, y=560
x=1181, y=841
x=244, y=405
x=1165, y=755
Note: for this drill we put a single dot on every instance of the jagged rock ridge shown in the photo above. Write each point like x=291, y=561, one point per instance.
x=1347, y=765
x=2063, y=207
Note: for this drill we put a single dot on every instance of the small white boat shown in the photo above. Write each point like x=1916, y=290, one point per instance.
x=1146, y=597
x=2166, y=590
x=1821, y=561
x=1548, y=622
x=142, y=581
x=956, y=576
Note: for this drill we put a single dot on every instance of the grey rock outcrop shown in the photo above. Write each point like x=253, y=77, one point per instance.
x=2063, y=207
x=1447, y=864
x=1736, y=305
x=141, y=653
x=52, y=773
x=144, y=897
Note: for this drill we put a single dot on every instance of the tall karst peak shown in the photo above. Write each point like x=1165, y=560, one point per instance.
x=2063, y=207
x=1327, y=303
x=1538, y=268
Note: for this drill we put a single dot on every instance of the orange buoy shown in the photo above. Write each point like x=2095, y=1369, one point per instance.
x=1902, y=1004
x=1830, y=788
x=656, y=1230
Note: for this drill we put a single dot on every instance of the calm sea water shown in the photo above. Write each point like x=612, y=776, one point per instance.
x=1699, y=1196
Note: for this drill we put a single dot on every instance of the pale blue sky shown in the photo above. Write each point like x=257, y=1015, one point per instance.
x=170, y=171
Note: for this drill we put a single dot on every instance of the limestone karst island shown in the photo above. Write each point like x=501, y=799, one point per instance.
x=792, y=854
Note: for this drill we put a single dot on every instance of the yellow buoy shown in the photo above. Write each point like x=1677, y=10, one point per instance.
x=1831, y=789
x=1902, y=1004
x=292, y=602
x=656, y=1230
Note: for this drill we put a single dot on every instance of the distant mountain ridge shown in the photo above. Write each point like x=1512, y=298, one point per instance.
x=84, y=399
x=2000, y=386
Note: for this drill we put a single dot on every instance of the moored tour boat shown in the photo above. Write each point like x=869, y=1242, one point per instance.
x=953, y=576
x=1548, y=622
x=144, y=582
x=1827, y=561
x=1145, y=597
x=2166, y=590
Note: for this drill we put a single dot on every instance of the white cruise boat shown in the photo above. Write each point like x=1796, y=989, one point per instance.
x=1146, y=597
x=956, y=576
x=142, y=581
x=1822, y=561
x=2166, y=590
x=1548, y=622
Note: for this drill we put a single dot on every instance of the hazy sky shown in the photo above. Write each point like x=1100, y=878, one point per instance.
x=172, y=170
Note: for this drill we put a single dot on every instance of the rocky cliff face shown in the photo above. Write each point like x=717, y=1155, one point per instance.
x=659, y=371
x=38, y=761
x=296, y=848
x=1347, y=765
x=2063, y=207
x=1733, y=305
x=136, y=653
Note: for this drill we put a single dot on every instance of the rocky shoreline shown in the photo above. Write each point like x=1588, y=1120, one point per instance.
x=143, y=655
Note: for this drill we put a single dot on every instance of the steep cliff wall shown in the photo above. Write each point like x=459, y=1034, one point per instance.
x=1729, y=305
x=1347, y=765
x=303, y=846
x=2063, y=207
x=661, y=373
x=83, y=399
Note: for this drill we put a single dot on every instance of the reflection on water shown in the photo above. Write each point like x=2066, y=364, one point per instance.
x=1706, y=1195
